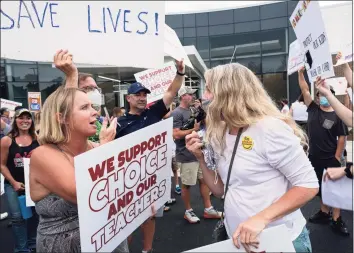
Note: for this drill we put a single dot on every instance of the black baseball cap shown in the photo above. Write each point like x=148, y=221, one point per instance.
x=137, y=87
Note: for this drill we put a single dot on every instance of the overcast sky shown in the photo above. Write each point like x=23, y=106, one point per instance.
x=174, y=7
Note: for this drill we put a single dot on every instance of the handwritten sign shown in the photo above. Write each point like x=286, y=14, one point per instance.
x=121, y=33
x=118, y=183
x=280, y=234
x=26, y=166
x=173, y=46
x=157, y=80
x=296, y=57
x=339, y=85
x=34, y=101
x=309, y=28
x=347, y=54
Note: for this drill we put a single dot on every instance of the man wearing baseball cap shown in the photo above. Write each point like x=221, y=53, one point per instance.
x=139, y=117
x=190, y=169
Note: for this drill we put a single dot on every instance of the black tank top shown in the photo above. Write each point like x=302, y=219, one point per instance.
x=15, y=159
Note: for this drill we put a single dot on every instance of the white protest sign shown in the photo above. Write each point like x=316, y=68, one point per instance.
x=267, y=239
x=350, y=94
x=296, y=57
x=309, y=28
x=26, y=166
x=339, y=85
x=338, y=193
x=157, y=80
x=9, y=104
x=347, y=54
x=118, y=183
x=173, y=46
x=2, y=181
x=119, y=33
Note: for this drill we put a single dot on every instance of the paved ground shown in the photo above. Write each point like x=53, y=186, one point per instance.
x=173, y=234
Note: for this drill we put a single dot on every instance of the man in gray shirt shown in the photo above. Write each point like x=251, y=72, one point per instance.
x=190, y=169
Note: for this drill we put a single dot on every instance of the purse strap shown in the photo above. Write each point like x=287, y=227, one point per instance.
x=232, y=159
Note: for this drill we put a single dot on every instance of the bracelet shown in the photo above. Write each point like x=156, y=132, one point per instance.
x=348, y=173
x=180, y=74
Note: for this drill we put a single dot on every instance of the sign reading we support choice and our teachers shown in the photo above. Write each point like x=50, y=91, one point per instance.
x=119, y=182
x=309, y=28
x=118, y=33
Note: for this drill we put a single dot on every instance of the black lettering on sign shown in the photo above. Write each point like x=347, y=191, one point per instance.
x=313, y=72
x=319, y=70
x=315, y=44
x=322, y=38
x=307, y=41
x=325, y=67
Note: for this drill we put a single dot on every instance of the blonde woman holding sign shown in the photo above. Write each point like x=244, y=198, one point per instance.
x=259, y=153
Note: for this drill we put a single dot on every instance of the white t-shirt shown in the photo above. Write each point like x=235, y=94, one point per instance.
x=285, y=109
x=269, y=161
x=299, y=111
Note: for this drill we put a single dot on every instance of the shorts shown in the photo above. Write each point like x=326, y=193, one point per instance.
x=190, y=172
x=319, y=165
x=174, y=164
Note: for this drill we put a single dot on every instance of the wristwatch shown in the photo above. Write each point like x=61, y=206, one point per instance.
x=180, y=74
x=347, y=171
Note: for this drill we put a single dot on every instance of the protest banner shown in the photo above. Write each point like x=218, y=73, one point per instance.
x=157, y=80
x=339, y=85
x=34, y=101
x=11, y=105
x=347, y=54
x=173, y=46
x=338, y=193
x=118, y=183
x=118, y=33
x=267, y=239
x=26, y=166
x=296, y=57
x=309, y=28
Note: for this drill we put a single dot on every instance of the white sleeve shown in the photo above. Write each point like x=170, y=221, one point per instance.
x=284, y=153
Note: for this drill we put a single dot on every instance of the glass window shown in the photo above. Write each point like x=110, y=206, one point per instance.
x=189, y=32
x=202, y=31
x=215, y=63
x=18, y=91
x=294, y=89
x=2, y=72
x=246, y=14
x=274, y=42
x=202, y=19
x=247, y=27
x=291, y=7
x=221, y=29
x=276, y=63
x=22, y=72
x=292, y=35
x=47, y=73
x=174, y=21
x=221, y=17
x=203, y=47
x=274, y=10
x=207, y=63
x=253, y=63
x=189, y=42
x=274, y=23
x=179, y=32
x=48, y=88
x=189, y=20
x=276, y=85
x=223, y=47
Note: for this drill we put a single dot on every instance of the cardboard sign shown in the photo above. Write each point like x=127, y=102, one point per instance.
x=347, y=54
x=173, y=46
x=280, y=234
x=26, y=166
x=34, y=101
x=118, y=33
x=296, y=57
x=157, y=80
x=339, y=85
x=117, y=184
x=11, y=105
x=309, y=28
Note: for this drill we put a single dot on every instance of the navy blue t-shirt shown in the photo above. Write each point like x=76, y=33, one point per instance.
x=130, y=123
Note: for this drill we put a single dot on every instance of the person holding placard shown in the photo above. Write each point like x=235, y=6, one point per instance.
x=265, y=174
x=327, y=135
x=19, y=144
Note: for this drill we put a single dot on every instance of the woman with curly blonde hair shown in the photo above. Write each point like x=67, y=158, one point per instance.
x=270, y=176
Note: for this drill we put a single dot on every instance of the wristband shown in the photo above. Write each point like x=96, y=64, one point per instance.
x=348, y=173
x=180, y=74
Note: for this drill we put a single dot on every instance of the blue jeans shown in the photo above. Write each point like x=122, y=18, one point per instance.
x=302, y=243
x=25, y=236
